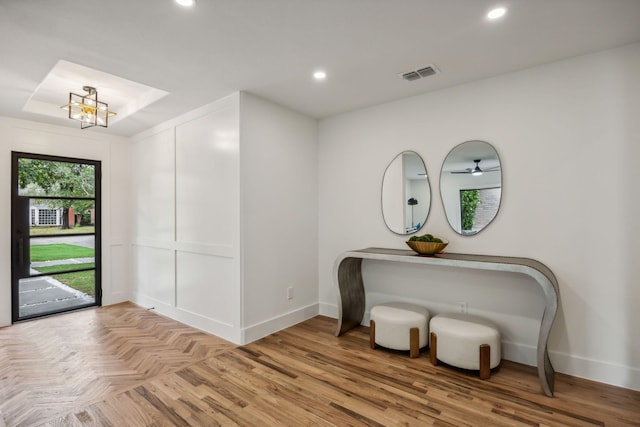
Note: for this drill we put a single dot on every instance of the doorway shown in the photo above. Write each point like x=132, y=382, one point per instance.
x=55, y=235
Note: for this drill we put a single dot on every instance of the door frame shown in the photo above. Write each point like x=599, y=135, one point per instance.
x=17, y=250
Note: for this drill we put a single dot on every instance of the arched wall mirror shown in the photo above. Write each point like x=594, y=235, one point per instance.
x=471, y=186
x=406, y=194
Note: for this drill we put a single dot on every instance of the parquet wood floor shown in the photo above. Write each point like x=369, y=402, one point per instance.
x=125, y=366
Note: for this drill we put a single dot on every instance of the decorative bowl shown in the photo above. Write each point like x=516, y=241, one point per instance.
x=427, y=248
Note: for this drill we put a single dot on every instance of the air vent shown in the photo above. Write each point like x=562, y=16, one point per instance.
x=411, y=76
x=427, y=71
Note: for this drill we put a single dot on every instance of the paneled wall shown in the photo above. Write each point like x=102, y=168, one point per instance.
x=223, y=198
x=186, y=209
x=113, y=152
x=207, y=207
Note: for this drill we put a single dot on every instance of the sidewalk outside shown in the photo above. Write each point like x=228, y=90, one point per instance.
x=45, y=294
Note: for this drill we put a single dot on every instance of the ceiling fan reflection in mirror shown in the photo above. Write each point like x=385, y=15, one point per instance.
x=477, y=171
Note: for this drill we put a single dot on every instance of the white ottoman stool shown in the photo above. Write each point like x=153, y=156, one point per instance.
x=399, y=326
x=465, y=341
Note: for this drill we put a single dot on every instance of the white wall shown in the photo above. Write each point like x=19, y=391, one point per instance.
x=186, y=237
x=568, y=138
x=117, y=287
x=279, y=216
x=32, y=137
x=225, y=207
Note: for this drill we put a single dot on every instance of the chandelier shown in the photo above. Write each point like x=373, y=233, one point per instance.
x=87, y=109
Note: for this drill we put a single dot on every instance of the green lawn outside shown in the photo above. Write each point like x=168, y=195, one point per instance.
x=59, y=251
x=84, y=281
x=63, y=267
x=45, y=231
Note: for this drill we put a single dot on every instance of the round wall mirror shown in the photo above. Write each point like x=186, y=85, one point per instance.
x=471, y=186
x=406, y=194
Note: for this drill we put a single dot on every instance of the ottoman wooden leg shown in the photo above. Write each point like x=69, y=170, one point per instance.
x=372, y=334
x=433, y=349
x=414, y=342
x=485, y=361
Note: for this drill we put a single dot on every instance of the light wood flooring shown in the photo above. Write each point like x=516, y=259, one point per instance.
x=125, y=366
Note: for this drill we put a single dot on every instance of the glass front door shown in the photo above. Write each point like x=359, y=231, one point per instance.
x=55, y=234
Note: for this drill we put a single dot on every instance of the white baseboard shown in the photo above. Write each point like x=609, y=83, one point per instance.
x=275, y=324
x=116, y=298
x=224, y=330
x=581, y=367
x=576, y=366
x=596, y=370
x=329, y=310
x=521, y=353
x=215, y=327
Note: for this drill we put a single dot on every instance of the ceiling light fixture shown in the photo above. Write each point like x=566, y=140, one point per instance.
x=319, y=75
x=87, y=109
x=496, y=13
x=477, y=171
x=186, y=3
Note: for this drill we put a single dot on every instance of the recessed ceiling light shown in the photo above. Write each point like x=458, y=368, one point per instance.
x=319, y=75
x=186, y=3
x=496, y=13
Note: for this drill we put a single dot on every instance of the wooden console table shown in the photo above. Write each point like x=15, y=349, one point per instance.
x=347, y=274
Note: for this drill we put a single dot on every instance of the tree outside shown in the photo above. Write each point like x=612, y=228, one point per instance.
x=59, y=179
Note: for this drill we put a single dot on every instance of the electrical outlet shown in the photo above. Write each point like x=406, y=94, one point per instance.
x=290, y=292
x=462, y=307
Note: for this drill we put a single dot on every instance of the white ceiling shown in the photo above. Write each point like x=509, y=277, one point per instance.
x=271, y=47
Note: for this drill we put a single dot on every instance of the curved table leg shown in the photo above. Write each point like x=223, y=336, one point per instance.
x=351, y=302
x=545, y=369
